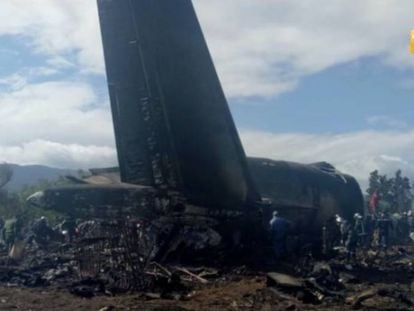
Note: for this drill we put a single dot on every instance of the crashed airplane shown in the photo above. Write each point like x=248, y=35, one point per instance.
x=180, y=156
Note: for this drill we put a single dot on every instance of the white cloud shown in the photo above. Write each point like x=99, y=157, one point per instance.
x=356, y=153
x=63, y=111
x=22, y=77
x=262, y=48
x=60, y=155
x=13, y=81
x=56, y=28
x=55, y=123
x=265, y=47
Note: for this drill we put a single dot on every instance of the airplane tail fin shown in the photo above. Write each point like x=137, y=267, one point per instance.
x=173, y=126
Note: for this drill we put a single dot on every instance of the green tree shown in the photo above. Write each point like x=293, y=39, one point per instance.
x=394, y=194
x=401, y=193
x=380, y=184
x=374, y=182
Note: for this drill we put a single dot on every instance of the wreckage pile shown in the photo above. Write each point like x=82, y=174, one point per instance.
x=382, y=281
x=100, y=256
x=118, y=251
x=113, y=259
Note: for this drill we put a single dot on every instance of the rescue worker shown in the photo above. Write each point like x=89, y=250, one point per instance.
x=333, y=233
x=360, y=228
x=403, y=229
x=68, y=229
x=42, y=232
x=11, y=231
x=352, y=243
x=370, y=224
x=279, y=229
x=384, y=228
x=344, y=229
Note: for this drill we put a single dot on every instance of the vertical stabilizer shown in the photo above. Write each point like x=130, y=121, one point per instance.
x=172, y=123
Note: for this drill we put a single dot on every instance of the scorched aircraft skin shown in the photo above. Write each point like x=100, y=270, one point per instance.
x=309, y=195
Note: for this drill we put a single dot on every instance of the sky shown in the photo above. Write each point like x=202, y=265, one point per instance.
x=306, y=81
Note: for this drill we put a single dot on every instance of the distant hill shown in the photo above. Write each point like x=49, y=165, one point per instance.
x=31, y=174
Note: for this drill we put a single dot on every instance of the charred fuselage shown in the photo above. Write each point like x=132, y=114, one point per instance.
x=308, y=195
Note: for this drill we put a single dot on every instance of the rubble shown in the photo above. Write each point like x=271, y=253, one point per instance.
x=395, y=293
x=327, y=285
x=119, y=258
x=284, y=281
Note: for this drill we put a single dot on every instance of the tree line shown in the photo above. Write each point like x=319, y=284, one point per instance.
x=393, y=193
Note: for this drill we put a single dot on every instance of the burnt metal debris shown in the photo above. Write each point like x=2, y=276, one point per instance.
x=373, y=281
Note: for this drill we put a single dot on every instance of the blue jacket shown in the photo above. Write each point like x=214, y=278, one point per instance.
x=279, y=227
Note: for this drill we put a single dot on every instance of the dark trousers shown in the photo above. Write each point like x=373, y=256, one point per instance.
x=279, y=247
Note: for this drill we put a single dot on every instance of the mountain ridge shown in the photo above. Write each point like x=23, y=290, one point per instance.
x=28, y=175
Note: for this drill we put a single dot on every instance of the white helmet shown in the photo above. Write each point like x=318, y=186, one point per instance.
x=357, y=216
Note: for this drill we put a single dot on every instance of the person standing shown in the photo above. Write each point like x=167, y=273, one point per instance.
x=344, y=228
x=384, y=228
x=352, y=243
x=279, y=229
x=370, y=224
x=333, y=234
x=42, y=232
x=360, y=229
x=11, y=231
x=403, y=228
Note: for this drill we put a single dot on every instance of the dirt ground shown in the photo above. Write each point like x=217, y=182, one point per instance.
x=238, y=294
x=231, y=293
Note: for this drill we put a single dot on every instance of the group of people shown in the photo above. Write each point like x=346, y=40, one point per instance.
x=379, y=231
x=371, y=231
x=39, y=231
